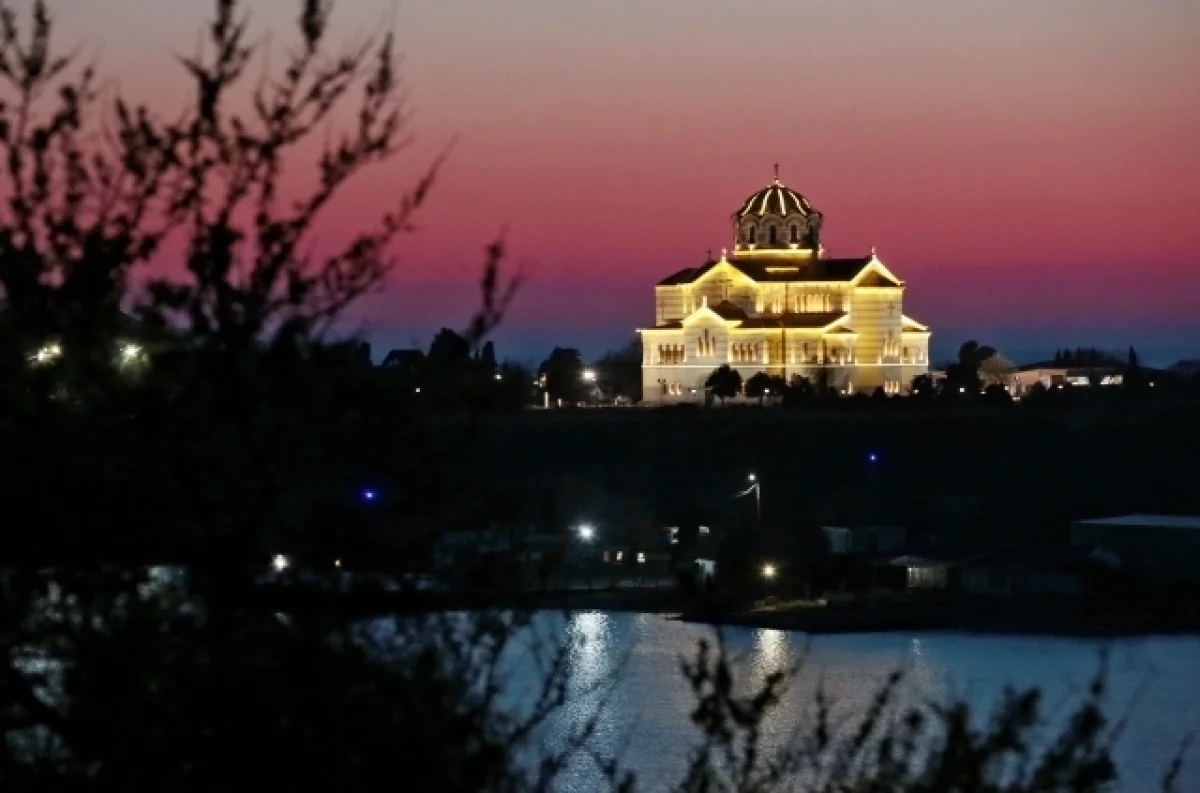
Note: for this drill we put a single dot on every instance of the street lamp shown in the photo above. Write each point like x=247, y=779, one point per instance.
x=585, y=532
x=756, y=486
x=769, y=571
x=589, y=375
x=280, y=563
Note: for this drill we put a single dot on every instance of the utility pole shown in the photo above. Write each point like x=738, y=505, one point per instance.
x=756, y=486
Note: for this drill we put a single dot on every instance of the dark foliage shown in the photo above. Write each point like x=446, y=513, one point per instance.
x=562, y=374
x=725, y=382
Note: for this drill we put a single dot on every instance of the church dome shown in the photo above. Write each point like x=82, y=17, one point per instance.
x=775, y=199
x=776, y=218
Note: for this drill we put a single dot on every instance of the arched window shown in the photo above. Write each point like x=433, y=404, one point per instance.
x=748, y=237
x=773, y=235
x=795, y=234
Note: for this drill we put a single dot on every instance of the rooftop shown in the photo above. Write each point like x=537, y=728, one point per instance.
x=1142, y=521
x=799, y=269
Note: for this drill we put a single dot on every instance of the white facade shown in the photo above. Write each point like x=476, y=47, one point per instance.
x=779, y=305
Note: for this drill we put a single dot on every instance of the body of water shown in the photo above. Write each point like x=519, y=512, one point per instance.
x=1154, y=682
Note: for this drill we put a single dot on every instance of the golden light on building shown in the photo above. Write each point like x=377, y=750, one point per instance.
x=778, y=304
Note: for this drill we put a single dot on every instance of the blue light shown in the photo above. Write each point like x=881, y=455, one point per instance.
x=873, y=457
x=368, y=495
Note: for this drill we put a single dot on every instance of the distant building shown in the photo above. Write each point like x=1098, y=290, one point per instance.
x=865, y=539
x=1160, y=547
x=922, y=573
x=779, y=304
x=1019, y=382
x=1031, y=572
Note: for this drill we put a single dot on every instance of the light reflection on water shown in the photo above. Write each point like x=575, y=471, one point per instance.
x=630, y=665
x=646, y=709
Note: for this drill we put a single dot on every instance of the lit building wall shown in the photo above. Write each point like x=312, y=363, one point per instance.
x=856, y=331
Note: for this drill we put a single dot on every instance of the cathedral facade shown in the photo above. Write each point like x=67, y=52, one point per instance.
x=777, y=303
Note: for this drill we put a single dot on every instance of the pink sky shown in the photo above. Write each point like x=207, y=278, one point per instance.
x=1032, y=169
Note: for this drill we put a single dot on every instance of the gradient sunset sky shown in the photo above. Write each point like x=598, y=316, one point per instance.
x=1030, y=167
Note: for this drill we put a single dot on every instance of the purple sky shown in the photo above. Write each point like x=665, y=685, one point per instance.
x=1031, y=169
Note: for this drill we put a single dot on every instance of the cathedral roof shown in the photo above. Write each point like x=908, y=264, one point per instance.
x=728, y=310
x=801, y=270
x=800, y=320
x=775, y=199
x=877, y=279
x=686, y=275
x=781, y=271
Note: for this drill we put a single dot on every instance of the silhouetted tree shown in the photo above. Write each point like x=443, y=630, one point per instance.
x=449, y=350
x=798, y=392
x=1134, y=377
x=620, y=371
x=725, y=382
x=822, y=381
x=563, y=371
x=923, y=387
x=215, y=425
x=962, y=376
x=997, y=394
x=514, y=389
x=760, y=384
x=487, y=358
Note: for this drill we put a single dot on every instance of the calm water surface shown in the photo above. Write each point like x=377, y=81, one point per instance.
x=646, y=715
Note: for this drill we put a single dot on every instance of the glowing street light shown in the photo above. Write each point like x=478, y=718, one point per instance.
x=369, y=495
x=873, y=457
x=280, y=563
x=589, y=375
x=769, y=571
x=586, y=532
x=499, y=376
x=130, y=351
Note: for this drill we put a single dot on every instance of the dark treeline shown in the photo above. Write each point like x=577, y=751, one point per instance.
x=452, y=376
x=204, y=415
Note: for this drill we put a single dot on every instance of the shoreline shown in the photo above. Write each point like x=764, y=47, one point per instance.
x=672, y=605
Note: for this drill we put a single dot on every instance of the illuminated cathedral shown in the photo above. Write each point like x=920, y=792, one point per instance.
x=777, y=303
